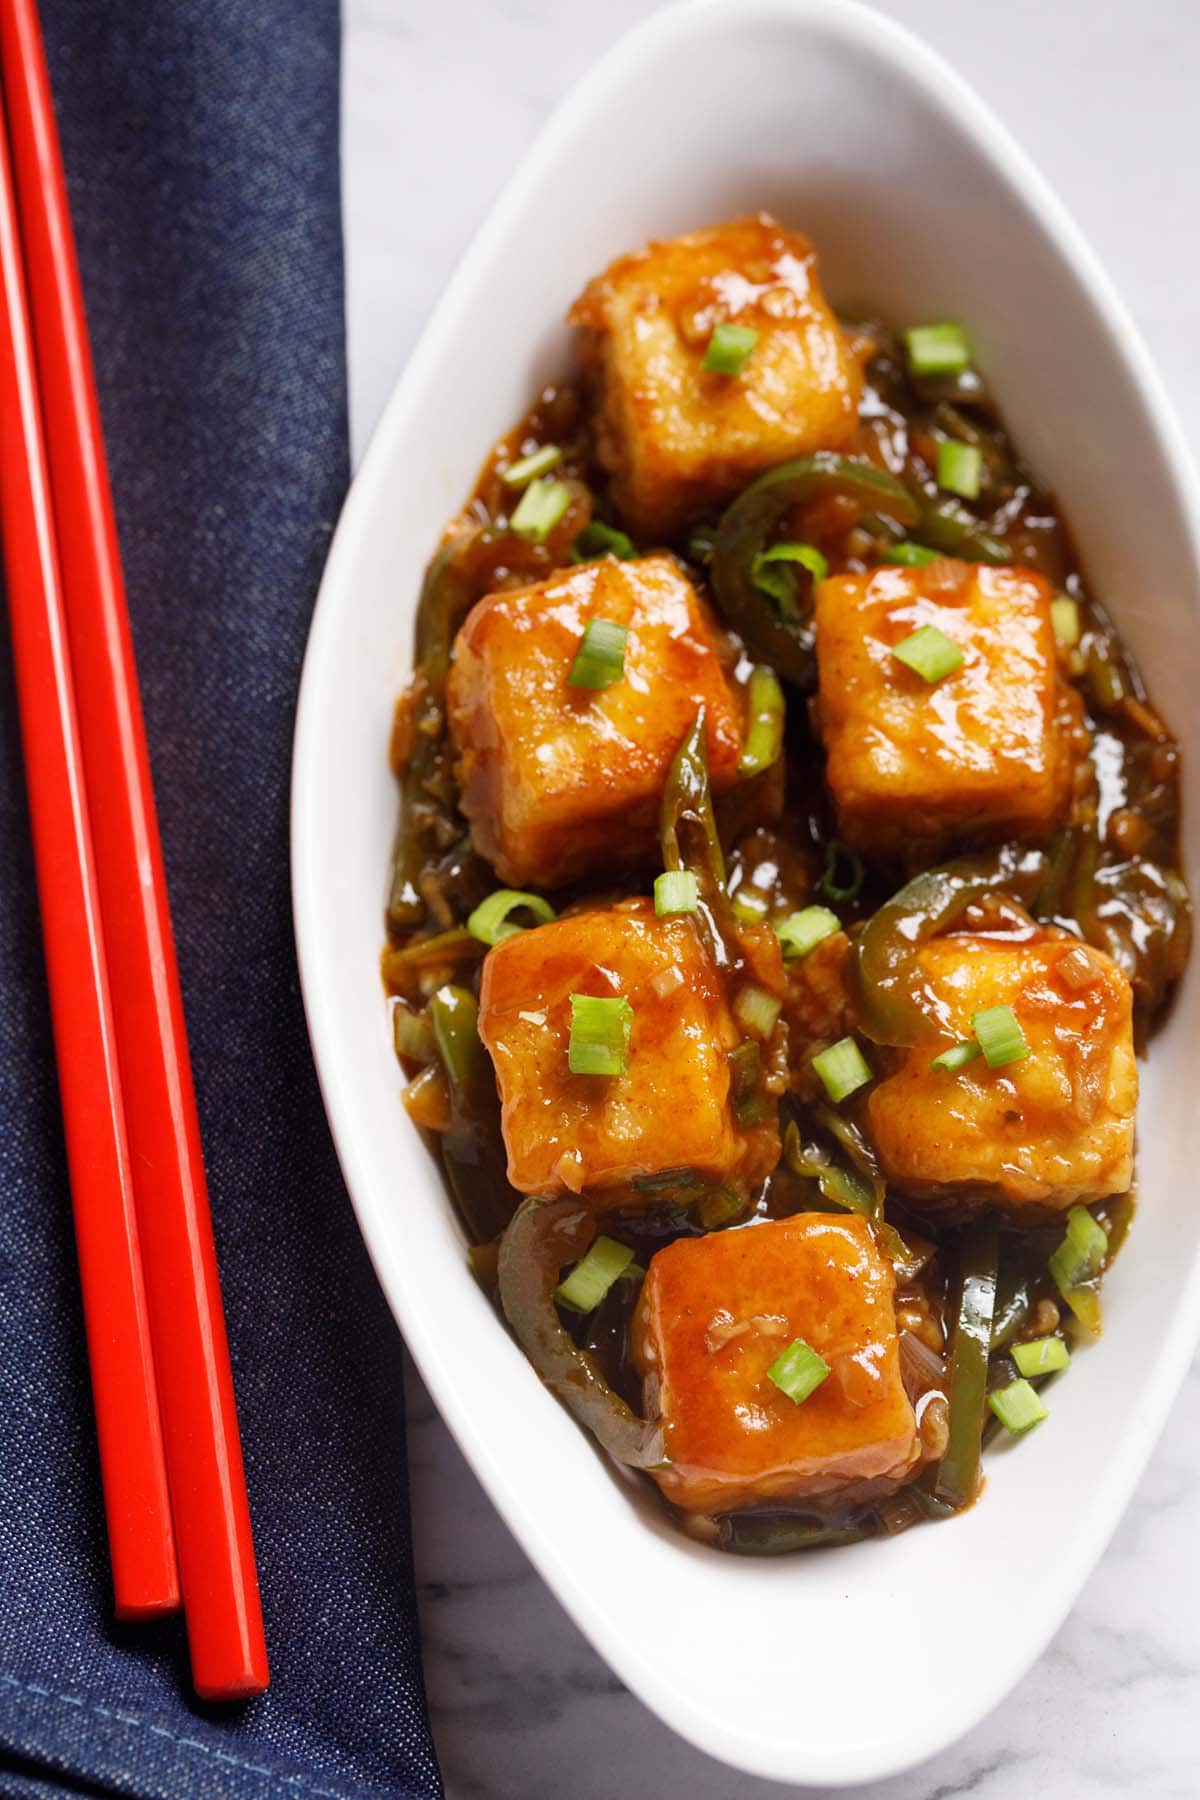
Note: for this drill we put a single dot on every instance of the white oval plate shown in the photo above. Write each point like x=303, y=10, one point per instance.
x=848, y=1665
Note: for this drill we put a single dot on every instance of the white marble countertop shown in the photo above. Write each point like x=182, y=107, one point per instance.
x=439, y=104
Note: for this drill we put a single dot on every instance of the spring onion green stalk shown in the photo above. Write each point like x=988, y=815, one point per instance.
x=718, y=1207
x=802, y=931
x=959, y=469
x=847, y=1188
x=1018, y=1407
x=958, y=1056
x=778, y=1534
x=490, y=921
x=676, y=891
x=1064, y=616
x=600, y=1032
x=937, y=349
x=910, y=556
x=729, y=348
x=798, y=1371
x=764, y=722
x=844, y=882
x=786, y=640
x=1076, y=1264
x=543, y=1237
x=957, y=1479
x=1041, y=1356
x=779, y=581
x=749, y=1103
x=999, y=1036
x=756, y=1011
x=539, y=509
x=843, y=1069
x=589, y=1281
x=600, y=659
x=598, y=539
x=538, y=462
x=929, y=653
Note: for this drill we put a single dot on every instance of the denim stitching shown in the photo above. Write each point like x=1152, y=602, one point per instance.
x=183, y=1743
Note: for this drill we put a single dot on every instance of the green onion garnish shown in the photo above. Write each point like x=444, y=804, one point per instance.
x=728, y=348
x=929, y=653
x=798, y=1371
x=843, y=1069
x=937, y=349
x=539, y=509
x=959, y=468
x=764, y=714
x=756, y=1011
x=958, y=1056
x=676, y=891
x=910, y=556
x=745, y=1090
x=600, y=659
x=802, y=931
x=589, y=1281
x=1041, y=1356
x=1000, y=1037
x=718, y=1206
x=599, y=1041
x=1076, y=1263
x=1064, y=616
x=1088, y=1238
x=538, y=462
x=852, y=871
x=490, y=922
x=1017, y=1407
x=807, y=555
x=598, y=539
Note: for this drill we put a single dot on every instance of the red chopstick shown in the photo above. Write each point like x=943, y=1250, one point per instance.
x=191, y=1355
x=132, y=1469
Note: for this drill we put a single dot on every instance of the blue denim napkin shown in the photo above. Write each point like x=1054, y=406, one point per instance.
x=201, y=142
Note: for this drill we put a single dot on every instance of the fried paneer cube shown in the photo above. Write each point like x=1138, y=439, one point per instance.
x=671, y=1108
x=678, y=438
x=714, y=1314
x=1051, y=1129
x=983, y=754
x=557, y=779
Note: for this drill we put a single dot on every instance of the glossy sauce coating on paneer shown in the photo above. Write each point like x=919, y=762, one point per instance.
x=714, y=1314
x=677, y=438
x=985, y=753
x=1049, y=1130
x=670, y=1109
x=558, y=779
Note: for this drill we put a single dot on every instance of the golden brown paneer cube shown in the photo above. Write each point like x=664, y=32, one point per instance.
x=716, y=1312
x=556, y=779
x=678, y=438
x=1046, y=1131
x=984, y=753
x=671, y=1108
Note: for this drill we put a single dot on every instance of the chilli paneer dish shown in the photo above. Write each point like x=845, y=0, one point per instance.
x=786, y=883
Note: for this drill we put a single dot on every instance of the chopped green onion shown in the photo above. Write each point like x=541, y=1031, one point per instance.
x=910, y=556
x=958, y=1056
x=798, y=1371
x=1000, y=1036
x=1077, y=1262
x=598, y=539
x=539, y=509
x=756, y=1011
x=1088, y=1238
x=847, y=889
x=490, y=922
x=589, y=1281
x=749, y=906
x=843, y=1069
x=959, y=468
x=1017, y=1407
x=1041, y=1356
x=1064, y=616
x=849, y=1189
x=728, y=348
x=929, y=653
x=599, y=1041
x=718, y=1206
x=764, y=713
x=745, y=1093
x=802, y=931
x=676, y=891
x=937, y=349
x=600, y=659
x=779, y=582
x=538, y=462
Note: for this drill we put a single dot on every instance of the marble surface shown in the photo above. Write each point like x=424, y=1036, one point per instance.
x=439, y=103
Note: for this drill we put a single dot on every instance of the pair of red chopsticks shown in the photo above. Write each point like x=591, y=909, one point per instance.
x=171, y=1463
